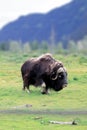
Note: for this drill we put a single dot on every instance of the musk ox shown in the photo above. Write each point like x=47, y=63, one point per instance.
x=44, y=70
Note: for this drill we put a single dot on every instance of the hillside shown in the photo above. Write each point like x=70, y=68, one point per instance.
x=67, y=22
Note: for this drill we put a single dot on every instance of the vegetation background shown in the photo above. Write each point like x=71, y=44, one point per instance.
x=20, y=110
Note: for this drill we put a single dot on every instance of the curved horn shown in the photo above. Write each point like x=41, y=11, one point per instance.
x=61, y=69
x=54, y=76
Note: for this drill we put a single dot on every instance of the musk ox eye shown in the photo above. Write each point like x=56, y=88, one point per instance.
x=61, y=76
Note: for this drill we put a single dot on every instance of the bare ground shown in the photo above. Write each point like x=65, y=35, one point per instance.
x=41, y=112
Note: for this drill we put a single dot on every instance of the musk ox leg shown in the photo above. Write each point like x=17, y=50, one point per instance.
x=26, y=84
x=43, y=87
x=44, y=90
x=26, y=87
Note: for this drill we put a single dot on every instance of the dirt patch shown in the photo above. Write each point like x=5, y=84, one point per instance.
x=41, y=112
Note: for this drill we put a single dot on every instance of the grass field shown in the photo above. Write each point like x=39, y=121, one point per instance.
x=18, y=109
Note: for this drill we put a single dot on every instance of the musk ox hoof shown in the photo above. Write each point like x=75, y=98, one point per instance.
x=28, y=91
x=43, y=92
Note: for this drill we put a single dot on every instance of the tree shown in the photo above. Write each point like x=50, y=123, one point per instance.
x=59, y=48
x=15, y=46
x=82, y=45
x=34, y=45
x=72, y=47
x=52, y=40
x=44, y=46
x=4, y=46
x=26, y=48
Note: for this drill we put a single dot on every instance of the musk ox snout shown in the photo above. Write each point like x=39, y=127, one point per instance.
x=65, y=85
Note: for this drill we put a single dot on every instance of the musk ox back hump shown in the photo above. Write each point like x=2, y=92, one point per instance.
x=46, y=58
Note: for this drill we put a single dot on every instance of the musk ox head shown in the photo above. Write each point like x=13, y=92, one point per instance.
x=58, y=76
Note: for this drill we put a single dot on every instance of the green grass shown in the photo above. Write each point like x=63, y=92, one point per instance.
x=40, y=122
x=72, y=98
